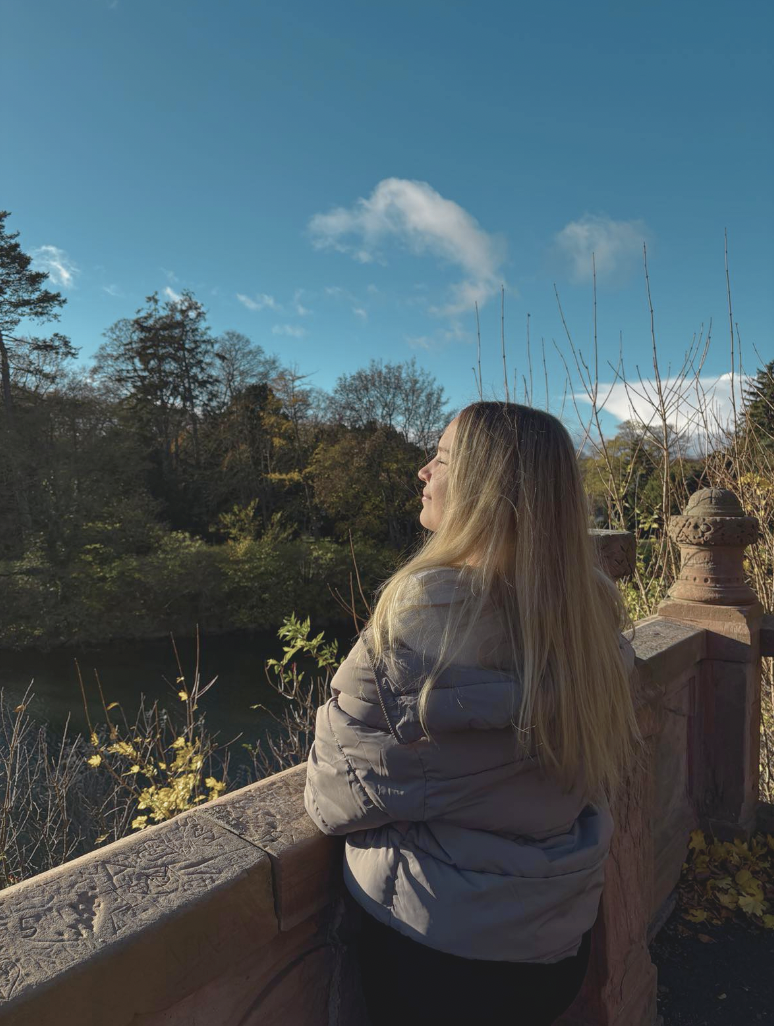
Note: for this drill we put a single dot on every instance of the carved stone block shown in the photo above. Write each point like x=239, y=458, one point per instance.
x=307, y=864
x=113, y=933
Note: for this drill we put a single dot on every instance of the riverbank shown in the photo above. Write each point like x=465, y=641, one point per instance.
x=100, y=597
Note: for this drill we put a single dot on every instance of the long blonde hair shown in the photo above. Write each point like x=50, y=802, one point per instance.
x=516, y=524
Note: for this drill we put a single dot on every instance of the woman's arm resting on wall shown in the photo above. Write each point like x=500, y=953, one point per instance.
x=358, y=775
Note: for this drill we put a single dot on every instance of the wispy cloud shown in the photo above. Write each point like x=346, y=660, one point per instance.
x=171, y=294
x=112, y=290
x=291, y=330
x=416, y=216
x=616, y=245
x=57, y=264
x=301, y=310
x=688, y=403
x=172, y=278
x=418, y=341
x=261, y=302
x=358, y=311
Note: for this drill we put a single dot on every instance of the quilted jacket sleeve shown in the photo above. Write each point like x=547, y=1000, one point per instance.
x=359, y=775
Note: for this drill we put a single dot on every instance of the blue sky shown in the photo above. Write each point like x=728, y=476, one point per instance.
x=342, y=181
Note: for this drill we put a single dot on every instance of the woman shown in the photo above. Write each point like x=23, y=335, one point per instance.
x=476, y=734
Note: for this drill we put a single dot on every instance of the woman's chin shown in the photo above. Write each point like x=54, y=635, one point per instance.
x=425, y=521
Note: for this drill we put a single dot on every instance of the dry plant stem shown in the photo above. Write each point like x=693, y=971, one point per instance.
x=668, y=563
x=8, y=776
x=731, y=323
x=83, y=693
x=529, y=364
x=502, y=339
x=357, y=574
x=545, y=369
x=478, y=338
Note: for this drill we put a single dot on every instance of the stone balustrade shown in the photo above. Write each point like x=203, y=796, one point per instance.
x=235, y=914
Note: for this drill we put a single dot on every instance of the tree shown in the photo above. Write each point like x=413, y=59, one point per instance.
x=398, y=396
x=366, y=481
x=296, y=427
x=759, y=407
x=239, y=446
x=240, y=362
x=22, y=295
x=161, y=364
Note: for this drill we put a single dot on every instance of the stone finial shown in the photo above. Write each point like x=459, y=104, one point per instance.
x=712, y=535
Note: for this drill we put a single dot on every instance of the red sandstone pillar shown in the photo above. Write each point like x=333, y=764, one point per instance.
x=711, y=593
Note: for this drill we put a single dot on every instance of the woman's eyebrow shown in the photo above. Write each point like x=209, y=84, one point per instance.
x=442, y=448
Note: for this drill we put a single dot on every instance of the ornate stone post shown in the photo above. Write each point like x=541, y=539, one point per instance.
x=711, y=593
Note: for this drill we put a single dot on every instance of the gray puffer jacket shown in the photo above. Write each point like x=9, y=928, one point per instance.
x=459, y=844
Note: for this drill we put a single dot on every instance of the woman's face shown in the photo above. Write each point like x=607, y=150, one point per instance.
x=434, y=475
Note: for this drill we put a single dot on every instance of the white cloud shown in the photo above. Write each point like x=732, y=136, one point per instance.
x=301, y=310
x=112, y=290
x=291, y=330
x=261, y=302
x=700, y=409
x=57, y=264
x=418, y=341
x=171, y=294
x=616, y=245
x=418, y=218
x=172, y=278
x=358, y=311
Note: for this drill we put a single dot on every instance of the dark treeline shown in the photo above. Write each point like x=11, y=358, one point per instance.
x=188, y=478
x=185, y=477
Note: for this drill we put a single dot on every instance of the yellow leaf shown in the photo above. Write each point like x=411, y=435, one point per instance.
x=749, y=884
x=752, y=906
x=768, y=922
x=729, y=900
x=139, y=822
x=695, y=915
x=95, y=760
x=111, y=706
x=20, y=708
x=697, y=841
x=183, y=695
x=100, y=839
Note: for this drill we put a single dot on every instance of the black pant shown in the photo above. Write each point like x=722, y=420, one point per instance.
x=407, y=983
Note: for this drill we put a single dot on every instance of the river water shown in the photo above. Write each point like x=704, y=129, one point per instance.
x=128, y=669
